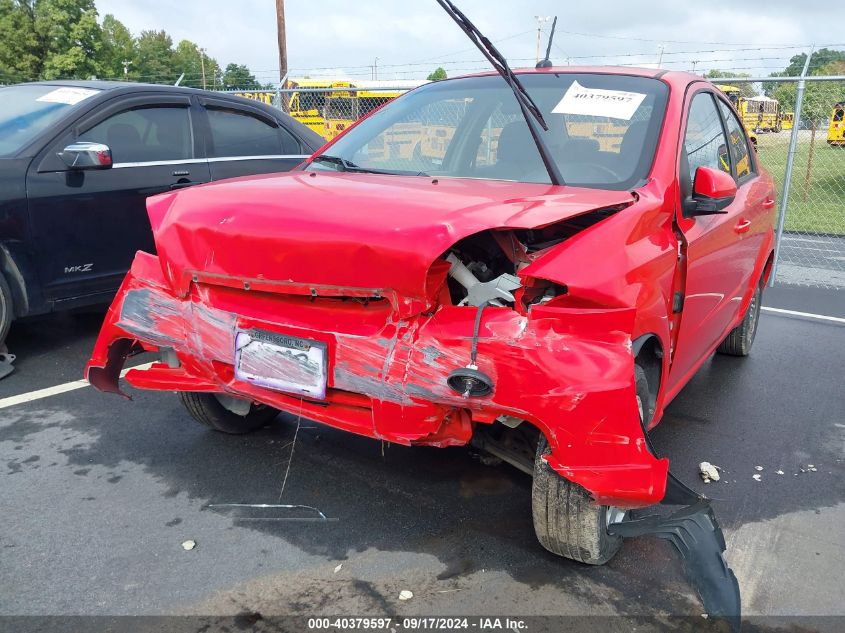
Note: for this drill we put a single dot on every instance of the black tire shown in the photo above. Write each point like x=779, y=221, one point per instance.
x=740, y=339
x=206, y=409
x=566, y=519
x=6, y=310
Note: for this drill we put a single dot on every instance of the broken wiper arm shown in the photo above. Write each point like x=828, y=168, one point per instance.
x=530, y=111
x=346, y=165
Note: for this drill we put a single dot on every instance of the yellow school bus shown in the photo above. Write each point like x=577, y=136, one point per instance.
x=309, y=107
x=836, y=128
x=342, y=109
x=760, y=114
x=731, y=92
x=263, y=97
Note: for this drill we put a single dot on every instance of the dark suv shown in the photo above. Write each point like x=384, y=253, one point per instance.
x=78, y=160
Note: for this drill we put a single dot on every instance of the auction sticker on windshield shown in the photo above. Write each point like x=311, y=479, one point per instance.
x=67, y=95
x=285, y=363
x=615, y=104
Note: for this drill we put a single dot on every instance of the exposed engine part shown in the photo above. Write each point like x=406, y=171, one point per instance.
x=169, y=357
x=238, y=406
x=515, y=446
x=509, y=421
x=497, y=291
x=468, y=381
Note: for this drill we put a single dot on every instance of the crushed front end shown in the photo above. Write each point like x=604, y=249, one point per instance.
x=375, y=360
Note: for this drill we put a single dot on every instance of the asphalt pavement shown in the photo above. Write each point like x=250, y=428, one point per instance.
x=99, y=493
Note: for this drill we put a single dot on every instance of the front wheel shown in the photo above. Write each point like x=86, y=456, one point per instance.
x=6, y=310
x=566, y=519
x=208, y=409
x=740, y=339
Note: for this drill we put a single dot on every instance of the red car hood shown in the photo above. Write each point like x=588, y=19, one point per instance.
x=343, y=234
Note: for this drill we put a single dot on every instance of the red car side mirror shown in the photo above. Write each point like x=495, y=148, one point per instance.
x=712, y=191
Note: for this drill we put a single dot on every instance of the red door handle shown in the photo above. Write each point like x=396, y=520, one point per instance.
x=768, y=203
x=742, y=226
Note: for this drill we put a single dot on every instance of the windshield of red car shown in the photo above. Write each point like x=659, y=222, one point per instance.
x=27, y=110
x=602, y=133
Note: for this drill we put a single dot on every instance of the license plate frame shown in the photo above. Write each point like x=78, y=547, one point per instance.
x=290, y=364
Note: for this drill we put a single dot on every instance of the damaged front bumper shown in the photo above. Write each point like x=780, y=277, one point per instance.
x=567, y=371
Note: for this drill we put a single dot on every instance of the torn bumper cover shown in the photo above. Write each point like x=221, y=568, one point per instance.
x=567, y=371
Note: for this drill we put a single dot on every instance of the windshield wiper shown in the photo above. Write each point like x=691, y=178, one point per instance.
x=530, y=111
x=347, y=165
x=344, y=164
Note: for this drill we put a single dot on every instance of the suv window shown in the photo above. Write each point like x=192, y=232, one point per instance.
x=145, y=134
x=738, y=144
x=705, y=144
x=235, y=133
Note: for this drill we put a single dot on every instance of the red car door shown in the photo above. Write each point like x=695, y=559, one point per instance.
x=754, y=192
x=718, y=263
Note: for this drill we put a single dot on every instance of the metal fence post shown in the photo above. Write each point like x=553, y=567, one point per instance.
x=790, y=157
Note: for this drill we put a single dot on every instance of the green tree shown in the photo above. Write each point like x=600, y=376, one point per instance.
x=820, y=59
x=48, y=39
x=118, y=46
x=20, y=56
x=238, y=76
x=71, y=36
x=154, y=59
x=188, y=59
x=438, y=74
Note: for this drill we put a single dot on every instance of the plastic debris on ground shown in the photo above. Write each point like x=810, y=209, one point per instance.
x=188, y=545
x=405, y=594
x=708, y=472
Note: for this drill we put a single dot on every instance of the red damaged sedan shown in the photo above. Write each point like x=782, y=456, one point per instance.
x=446, y=272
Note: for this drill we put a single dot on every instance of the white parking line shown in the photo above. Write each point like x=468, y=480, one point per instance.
x=805, y=315
x=23, y=398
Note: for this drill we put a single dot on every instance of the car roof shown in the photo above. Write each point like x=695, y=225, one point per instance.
x=133, y=86
x=672, y=77
x=116, y=88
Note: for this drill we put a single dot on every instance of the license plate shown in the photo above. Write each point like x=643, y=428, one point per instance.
x=285, y=363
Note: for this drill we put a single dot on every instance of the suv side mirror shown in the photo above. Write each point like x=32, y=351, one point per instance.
x=86, y=155
x=712, y=191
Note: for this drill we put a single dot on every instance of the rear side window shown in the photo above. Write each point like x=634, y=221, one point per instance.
x=236, y=133
x=704, y=141
x=737, y=144
x=145, y=134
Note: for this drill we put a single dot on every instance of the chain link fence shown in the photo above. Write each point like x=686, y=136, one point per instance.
x=799, y=131
x=800, y=134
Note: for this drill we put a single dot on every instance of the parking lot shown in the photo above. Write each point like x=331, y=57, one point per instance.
x=105, y=491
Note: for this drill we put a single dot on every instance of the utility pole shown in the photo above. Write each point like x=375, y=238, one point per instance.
x=540, y=19
x=283, y=44
x=375, y=68
x=694, y=62
x=660, y=57
x=126, y=64
x=201, y=51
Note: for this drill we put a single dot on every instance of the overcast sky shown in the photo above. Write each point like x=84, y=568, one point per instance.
x=411, y=38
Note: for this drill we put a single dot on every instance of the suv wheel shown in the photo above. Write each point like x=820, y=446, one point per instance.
x=6, y=310
x=207, y=409
x=741, y=338
x=566, y=519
